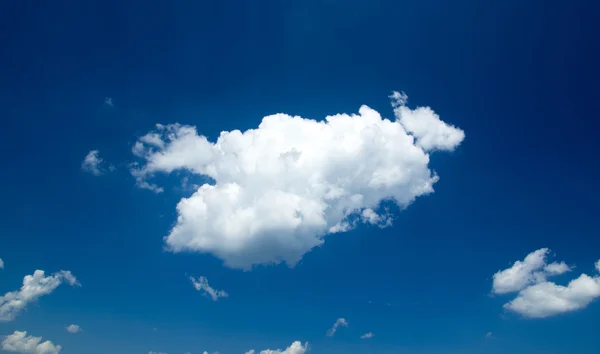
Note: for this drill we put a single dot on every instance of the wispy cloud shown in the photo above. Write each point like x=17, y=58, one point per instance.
x=73, y=329
x=339, y=322
x=201, y=284
x=367, y=335
x=94, y=164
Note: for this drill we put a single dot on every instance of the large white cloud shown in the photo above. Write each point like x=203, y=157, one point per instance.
x=533, y=269
x=537, y=297
x=295, y=348
x=34, y=286
x=20, y=342
x=280, y=188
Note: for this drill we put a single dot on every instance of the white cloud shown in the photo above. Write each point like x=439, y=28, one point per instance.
x=547, y=298
x=489, y=335
x=95, y=165
x=295, y=348
x=151, y=352
x=109, y=101
x=1, y=264
x=73, y=328
x=280, y=188
x=425, y=125
x=537, y=297
x=20, y=342
x=367, y=335
x=34, y=286
x=339, y=322
x=533, y=269
x=202, y=285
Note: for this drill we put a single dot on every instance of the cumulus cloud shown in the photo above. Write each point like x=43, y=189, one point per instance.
x=20, y=342
x=533, y=269
x=34, y=286
x=1, y=264
x=279, y=189
x=537, y=297
x=95, y=165
x=295, y=348
x=367, y=335
x=202, y=285
x=547, y=298
x=339, y=322
x=73, y=329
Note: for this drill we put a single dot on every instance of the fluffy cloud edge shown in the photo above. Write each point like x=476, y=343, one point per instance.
x=20, y=342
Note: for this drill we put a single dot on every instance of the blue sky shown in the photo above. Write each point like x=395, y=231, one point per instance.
x=518, y=78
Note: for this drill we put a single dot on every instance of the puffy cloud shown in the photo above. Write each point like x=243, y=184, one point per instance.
x=109, y=101
x=20, y=342
x=295, y=348
x=95, y=165
x=34, y=286
x=339, y=322
x=533, y=269
x=279, y=189
x=547, y=299
x=426, y=126
x=156, y=352
x=202, y=285
x=367, y=335
x=1, y=264
x=73, y=329
x=537, y=297
x=489, y=335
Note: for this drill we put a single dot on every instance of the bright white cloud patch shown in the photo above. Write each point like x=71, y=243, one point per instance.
x=537, y=297
x=20, y=342
x=295, y=348
x=95, y=165
x=34, y=286
x=280, y=188
x=339, y=322
x=73, y=328
x=1, y=264
x=202, y=285
x=367, y=335
x=533, y=269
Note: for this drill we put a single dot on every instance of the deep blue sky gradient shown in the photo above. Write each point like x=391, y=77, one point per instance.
x=520, y=77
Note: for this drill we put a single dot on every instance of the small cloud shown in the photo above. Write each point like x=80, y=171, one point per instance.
x=109, y=101
x=73, y=329
x=20, y=342
x=95, y=165
x=367, y=335
x=202, y=285
x=1, y=264
x=34, y=286
x=339, y=322
x=296, y=348
x=536, y=296
x=489, y=335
